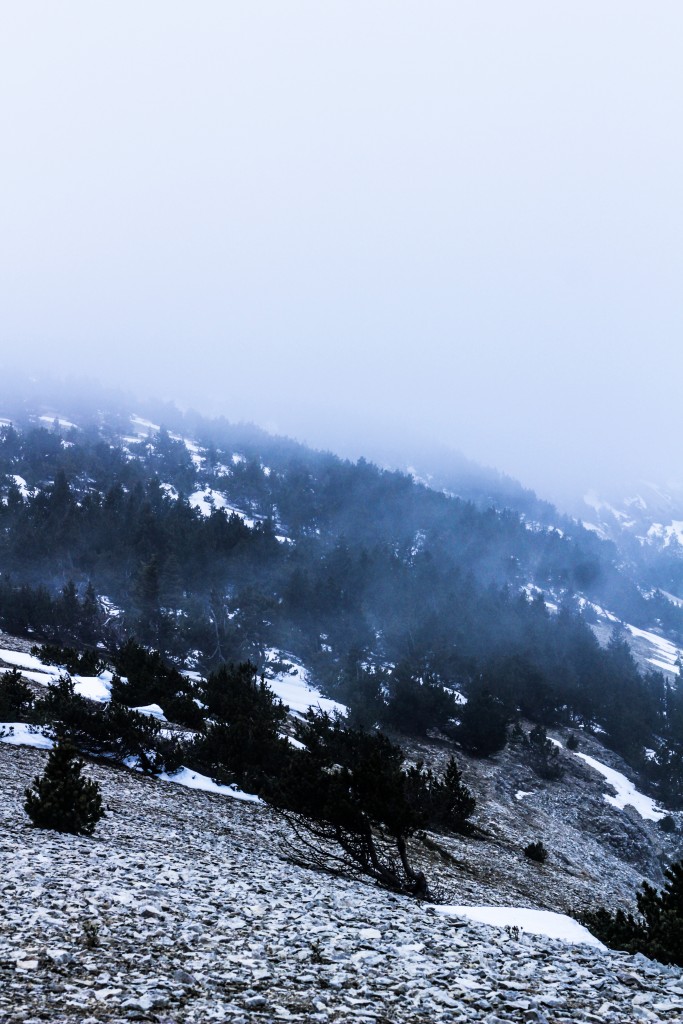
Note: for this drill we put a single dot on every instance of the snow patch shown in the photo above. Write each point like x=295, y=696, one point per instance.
x=21, y=660
x=664, y=655
x=535, y=922
x=61, y=422
x=627, y=794
x=193, y=780
x=293, y=688
x=24, y=488
x=208, y=499
x=673, y=532
x=144, y=427
x=153, y=710
x=20, y=735
x=94, y=687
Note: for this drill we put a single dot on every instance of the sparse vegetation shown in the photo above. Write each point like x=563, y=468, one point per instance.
x=536, y=852
x=355, y=805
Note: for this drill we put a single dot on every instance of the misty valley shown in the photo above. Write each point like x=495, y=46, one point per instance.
x=454, y=697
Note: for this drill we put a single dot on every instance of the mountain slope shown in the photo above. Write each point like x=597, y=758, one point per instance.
x=216, y=542
x=190, y=909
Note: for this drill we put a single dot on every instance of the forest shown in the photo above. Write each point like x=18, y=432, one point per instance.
x=399, y=599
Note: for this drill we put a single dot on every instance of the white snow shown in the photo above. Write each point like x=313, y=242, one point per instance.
x=24, y=488
x=41, y=678
x=292, y=741
x=521, y=793
x=21, y=735
x=595, y=502
x=627, y=794
x=195, y=453
x=294, y=690
x=170, y=491
x=602, y=612
x=664, y=654
x=109, y=607
x=536, y=922
x=153, y=710
x=594, y=529
x=144, y=427
x=94, y=687
x=21, y=660
x=60, y=421
x=666, y=534
x=193, y=780
x=208, y=499
x=194, y=450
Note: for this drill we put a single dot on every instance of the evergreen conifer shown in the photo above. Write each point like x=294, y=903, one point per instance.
x=61, y=798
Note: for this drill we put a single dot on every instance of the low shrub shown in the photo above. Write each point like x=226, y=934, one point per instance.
x=536, y=852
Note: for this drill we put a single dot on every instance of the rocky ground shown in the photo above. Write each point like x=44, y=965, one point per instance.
x=186, y=907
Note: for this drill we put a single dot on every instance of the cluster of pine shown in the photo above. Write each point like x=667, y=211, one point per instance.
x=656, y=930
x=348, y=791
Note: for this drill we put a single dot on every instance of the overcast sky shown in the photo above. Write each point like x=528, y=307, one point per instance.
x=358, y=220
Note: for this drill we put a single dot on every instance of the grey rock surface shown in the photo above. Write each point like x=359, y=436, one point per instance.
x=185, y=908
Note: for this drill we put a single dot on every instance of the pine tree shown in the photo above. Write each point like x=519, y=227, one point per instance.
x=61, y=798
x=16, y=698
x=657, y=931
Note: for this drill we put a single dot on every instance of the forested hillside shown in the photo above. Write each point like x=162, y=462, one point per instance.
x=214, y=543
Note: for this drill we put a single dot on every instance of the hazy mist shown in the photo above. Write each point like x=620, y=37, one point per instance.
x=359, y=224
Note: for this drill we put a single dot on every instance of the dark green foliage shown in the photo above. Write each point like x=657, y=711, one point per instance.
x=361, y=690
x=109, y=730
x=521, y=686
x=572, y=741
x=537, y=852
x=542, y=754
x=145, y=677
x=446, y=802
x=61, y=798
x=657, y=930
x=16, y=698
x=81, y=663
x=62, y=619
x=483, y=724
x=416, y=703
x=668, y=823
x=358, y=806
x=378, y=564
x=241, y=741
x=665, y=770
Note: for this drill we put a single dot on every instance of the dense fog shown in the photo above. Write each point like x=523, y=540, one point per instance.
x=377, y=228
